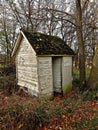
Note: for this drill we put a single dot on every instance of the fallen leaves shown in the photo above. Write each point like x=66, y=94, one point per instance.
x=80, y=115
x=66, y=113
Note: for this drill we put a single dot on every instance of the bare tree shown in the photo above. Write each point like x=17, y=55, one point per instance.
x=80, y=43
x=90, y=35
x=93, y=79
x=74, y=21
x=8, y=27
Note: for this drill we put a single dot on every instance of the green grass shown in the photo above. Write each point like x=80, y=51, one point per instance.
x=76, y=74
x=87, y=124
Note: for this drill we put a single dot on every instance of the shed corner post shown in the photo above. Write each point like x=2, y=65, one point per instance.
x=66, y=74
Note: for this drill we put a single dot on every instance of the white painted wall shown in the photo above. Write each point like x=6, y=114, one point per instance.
x=36, y=74
x=26, y=67
x=45, y=75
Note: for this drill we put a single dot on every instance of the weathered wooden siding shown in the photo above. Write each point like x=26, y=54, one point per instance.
x=66, y=73
x=45, y=75
x=26, y=67
x=57, y=73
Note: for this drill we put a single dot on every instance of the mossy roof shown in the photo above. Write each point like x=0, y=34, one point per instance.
x=47, y=45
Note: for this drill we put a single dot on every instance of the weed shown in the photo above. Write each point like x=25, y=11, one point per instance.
x=40, y=116
x=90, y=95
x=58, y=111
x=87, y=124
x=36, y=118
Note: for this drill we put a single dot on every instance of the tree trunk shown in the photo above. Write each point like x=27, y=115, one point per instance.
x=80, y=43
x=93, y=78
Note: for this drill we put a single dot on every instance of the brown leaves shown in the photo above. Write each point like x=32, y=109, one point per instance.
x=84, y=115
x=65, y=113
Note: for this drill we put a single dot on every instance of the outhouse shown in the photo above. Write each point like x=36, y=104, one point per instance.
x=43, y=63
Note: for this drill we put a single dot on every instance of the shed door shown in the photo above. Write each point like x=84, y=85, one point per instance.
x=57, y=73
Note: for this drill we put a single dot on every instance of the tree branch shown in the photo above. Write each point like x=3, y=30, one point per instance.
x=59, y=11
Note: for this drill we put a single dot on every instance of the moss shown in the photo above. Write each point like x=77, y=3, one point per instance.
x=67, y=88
x=45, y=44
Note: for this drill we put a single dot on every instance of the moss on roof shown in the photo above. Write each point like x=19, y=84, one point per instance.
x=47, y=45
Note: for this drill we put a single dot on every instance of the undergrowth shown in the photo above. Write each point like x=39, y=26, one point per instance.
x=76, y=110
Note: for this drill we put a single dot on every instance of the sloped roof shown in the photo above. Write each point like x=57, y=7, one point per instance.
x=47, y=45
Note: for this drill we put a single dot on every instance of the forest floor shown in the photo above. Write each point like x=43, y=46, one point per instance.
x=18, y=111
x=75, y=111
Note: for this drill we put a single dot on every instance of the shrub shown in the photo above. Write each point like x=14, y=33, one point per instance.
x=8, y=69
x=7, y=79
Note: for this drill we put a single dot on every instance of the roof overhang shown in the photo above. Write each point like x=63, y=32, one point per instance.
x=53, y=55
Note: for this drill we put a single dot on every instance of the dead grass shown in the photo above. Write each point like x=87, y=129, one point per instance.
x=22, y=112
x=18, y=111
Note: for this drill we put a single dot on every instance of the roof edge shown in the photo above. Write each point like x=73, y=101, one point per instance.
x=17, y=43
x=54, y=55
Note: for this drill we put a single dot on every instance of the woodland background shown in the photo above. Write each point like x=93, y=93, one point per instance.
x=76, y=22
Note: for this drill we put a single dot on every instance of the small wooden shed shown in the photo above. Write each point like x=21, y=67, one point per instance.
x=43, y=63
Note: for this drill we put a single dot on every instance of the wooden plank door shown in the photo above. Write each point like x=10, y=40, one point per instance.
x=57, y=73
